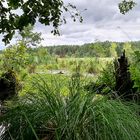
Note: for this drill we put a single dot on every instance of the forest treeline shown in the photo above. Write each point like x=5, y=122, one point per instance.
x=98, y=49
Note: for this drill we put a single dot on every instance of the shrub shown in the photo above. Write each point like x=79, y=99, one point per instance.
x=9, y=85
x=15, y=57
x=124, y=84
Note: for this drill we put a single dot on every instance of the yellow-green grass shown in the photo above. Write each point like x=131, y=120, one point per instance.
x=86, y=65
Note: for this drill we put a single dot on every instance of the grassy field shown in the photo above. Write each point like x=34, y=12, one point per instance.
x=85, y=65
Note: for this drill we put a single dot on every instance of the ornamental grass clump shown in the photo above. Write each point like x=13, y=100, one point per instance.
x=48, y=115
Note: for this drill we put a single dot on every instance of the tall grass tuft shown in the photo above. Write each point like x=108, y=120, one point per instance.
x=47, y=114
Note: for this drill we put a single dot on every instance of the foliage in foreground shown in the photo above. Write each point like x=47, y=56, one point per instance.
x=48, y=13
x=9, y=85
x=77, y=116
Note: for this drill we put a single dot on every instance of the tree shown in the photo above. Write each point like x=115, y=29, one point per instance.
x=30, y=38
x=19, y=56
x=15, y=57
x=47, y=12
x=124, y=84
x=126, y=5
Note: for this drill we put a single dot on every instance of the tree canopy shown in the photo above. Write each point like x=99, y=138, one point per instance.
x=30, y=38
x=126, y=5
x=47, y=12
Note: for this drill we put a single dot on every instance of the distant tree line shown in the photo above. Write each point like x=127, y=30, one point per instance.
x=98, y=49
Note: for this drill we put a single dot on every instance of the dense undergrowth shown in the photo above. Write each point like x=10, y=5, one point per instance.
x=67, y=107
x=48, y=114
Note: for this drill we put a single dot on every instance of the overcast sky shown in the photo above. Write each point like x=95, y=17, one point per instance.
x=102, y=21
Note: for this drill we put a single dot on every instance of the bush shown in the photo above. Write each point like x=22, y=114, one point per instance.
x=9, y=85
x=15, y=57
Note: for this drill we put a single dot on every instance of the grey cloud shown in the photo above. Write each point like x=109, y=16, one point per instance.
x=102, y=21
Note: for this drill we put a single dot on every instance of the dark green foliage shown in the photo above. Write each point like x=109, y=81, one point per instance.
x=98, y=49
x=126, y=5
x=46, y=12
x=124, y=84
x=9, y=85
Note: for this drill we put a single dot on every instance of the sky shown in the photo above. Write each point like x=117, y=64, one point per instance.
x=102, y=21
